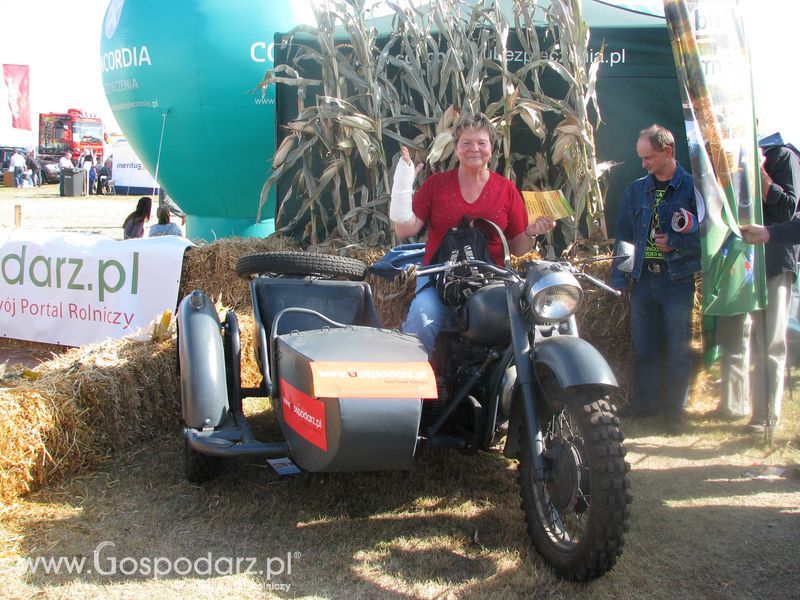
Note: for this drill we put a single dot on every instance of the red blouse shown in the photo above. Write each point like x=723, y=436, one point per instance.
x=439, y=203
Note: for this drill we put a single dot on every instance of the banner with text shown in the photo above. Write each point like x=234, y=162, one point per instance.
x=713, y=65
x=74, y=289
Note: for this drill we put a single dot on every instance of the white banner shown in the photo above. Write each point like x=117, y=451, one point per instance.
x=75, y=289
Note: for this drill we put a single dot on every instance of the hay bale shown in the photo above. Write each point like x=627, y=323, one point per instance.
x=75, y=410
x=251, y=375
x=35, y=426
x=212, y=268
x=392, y=298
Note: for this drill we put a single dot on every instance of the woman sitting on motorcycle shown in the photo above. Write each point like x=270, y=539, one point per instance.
x=444, y=199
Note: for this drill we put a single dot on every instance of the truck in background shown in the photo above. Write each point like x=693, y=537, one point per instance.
x=73, y=130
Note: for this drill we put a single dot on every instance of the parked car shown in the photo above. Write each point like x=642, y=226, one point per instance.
x=5, y=155
x=50, y=171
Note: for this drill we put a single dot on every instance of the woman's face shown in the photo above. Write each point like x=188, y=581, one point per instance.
x=474, y=148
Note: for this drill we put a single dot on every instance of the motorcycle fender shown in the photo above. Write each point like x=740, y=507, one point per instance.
x=204, y=392
x=574, y=361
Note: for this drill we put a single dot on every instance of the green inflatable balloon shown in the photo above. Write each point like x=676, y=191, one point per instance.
x=181, y=78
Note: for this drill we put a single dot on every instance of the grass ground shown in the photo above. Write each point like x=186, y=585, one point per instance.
x=707, y=521
x=43, y=208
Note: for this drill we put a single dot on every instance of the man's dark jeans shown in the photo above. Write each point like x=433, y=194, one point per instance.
x=661, y=316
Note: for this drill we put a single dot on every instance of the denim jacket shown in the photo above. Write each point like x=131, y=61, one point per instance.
x=635, y=218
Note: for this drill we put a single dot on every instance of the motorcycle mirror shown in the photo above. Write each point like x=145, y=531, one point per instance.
x=623, y=256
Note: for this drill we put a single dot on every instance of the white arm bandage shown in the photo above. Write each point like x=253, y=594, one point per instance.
x=400, y=205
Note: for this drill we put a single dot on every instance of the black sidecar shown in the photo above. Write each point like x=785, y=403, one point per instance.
x=347, y=393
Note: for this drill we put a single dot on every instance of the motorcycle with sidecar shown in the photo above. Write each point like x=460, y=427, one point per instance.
x=350, y=395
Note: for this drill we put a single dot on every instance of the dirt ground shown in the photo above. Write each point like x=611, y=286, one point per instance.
x=707, y=522
x=42, y=208
x=716, y=513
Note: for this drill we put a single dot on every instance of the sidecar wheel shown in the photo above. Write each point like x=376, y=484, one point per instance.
x=200, y=468
x=577, y=517
x=301, y=264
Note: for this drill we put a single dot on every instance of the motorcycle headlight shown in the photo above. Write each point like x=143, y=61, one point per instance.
x=552, y=293
x=557, y=302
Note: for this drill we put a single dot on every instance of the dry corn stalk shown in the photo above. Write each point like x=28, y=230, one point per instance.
x=362, y=95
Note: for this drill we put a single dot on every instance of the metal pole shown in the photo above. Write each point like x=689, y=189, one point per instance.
x=160, y=143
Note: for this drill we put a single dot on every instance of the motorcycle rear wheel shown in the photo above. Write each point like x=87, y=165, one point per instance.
x=577, y=518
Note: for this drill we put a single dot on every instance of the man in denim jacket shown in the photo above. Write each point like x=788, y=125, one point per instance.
x=662, y=277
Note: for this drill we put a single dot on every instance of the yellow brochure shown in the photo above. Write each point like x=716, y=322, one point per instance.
x=551, y=203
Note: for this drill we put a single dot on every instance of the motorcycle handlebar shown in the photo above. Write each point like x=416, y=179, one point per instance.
x=494, y=269
x=505, y=273
x=602, y=285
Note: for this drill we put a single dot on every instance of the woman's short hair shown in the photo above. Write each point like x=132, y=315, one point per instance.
x=162, y=213
x=477, y=121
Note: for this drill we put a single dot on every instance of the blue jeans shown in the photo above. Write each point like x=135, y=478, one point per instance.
x=661, y=317
x=427, y=315
x=18, y=176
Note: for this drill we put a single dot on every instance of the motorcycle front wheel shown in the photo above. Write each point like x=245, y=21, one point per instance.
x=577, y=517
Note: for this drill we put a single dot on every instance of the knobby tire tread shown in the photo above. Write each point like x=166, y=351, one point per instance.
x=609, y=511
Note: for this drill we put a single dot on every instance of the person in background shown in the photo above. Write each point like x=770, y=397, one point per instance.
x=16, y=164
x=92, y=176
x=133, y=226
x=87, y=164
x=441, y=202
x=164, y=226
x=784, y=234
x=753, y=346
x=661, y=279
x=103, y=177
x=165, y=200
x=65, y=162
x=35, y=168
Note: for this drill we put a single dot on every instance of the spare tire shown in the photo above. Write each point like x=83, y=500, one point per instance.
x=303, y=264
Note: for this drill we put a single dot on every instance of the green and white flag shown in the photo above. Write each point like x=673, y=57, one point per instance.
x=713, y=64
